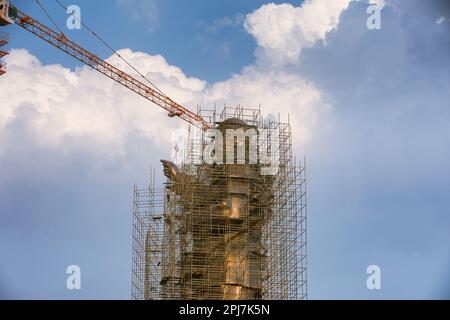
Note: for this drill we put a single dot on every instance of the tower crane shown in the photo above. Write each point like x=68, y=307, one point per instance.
x=9, y=15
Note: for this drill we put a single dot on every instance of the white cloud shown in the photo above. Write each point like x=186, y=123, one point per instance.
x=56, y=104
x=284, y=30
x=277, y=92
x=165, y=76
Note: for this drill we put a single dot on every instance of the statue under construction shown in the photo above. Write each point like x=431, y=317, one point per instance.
x=225, y=230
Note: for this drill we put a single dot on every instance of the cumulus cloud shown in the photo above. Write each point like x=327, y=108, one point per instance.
x=276, y=91
x=65, y=104
x=56, y=103
x=83, y=104
x=284, y=30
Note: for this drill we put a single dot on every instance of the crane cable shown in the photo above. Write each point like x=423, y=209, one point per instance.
x=112, y=50
x=48, y=15
x=102, y=41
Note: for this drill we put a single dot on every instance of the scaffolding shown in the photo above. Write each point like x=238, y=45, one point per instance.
x=224, y=231
x=4, y=38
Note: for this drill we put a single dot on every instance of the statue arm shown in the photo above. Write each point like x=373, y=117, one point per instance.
x=171, y=171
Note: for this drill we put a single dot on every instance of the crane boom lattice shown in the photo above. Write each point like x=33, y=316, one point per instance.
x=70, y=47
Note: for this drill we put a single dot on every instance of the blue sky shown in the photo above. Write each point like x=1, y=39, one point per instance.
x=370, y=109
x=185, y=33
